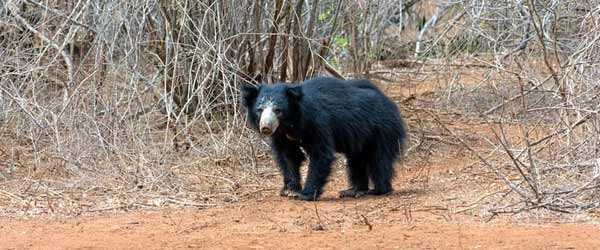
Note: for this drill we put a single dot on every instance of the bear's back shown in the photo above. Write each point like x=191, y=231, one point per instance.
x=356, y=101
x=354, y=111
x=333, y=92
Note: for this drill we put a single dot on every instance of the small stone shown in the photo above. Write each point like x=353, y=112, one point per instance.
x=318, y=227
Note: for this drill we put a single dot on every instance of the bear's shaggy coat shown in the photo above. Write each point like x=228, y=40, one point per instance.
x=324, y=116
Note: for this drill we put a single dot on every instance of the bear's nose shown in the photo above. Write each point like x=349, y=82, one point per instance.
x=266, y=130
x=268, y=121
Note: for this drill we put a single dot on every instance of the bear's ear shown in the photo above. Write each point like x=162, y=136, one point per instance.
x=294, y=93
x=249, y=94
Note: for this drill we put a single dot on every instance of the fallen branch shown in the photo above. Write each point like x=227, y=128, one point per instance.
x=366, y=221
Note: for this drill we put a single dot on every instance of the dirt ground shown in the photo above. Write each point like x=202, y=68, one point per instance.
x=440, y=216
x=277, y=223
x=264, y=226
x=442, y=200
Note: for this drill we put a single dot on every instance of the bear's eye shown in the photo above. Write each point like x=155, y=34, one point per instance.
x=277, y=111
x=259, y=110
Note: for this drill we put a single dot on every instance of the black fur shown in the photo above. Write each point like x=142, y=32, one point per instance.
x=325, y=116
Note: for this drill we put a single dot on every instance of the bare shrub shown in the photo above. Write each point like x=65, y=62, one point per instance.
x=111, y=97
x=114, y=98
x=539, y=96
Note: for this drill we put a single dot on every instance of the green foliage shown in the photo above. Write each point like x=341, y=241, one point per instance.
x=324, y=16
x=327, y=13
x=341, y=42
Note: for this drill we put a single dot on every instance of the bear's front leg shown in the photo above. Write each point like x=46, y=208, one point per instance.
x=289, y=159
x=321, y=158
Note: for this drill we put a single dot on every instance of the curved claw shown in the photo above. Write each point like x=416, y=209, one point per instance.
x=353, y=193
x=288, y=193
x=293, y=194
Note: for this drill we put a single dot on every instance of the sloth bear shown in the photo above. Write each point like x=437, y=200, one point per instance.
x=324, y=116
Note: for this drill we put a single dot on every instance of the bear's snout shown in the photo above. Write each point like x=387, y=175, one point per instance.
x=268, y=121
x=266, y=130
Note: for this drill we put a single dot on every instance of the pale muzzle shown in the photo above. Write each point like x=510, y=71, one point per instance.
x=268, y=121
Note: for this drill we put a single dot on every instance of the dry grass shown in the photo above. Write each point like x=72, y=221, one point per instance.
x=109, y=105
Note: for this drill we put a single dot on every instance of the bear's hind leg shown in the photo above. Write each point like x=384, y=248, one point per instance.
x=381, y=172
x=358, y=176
